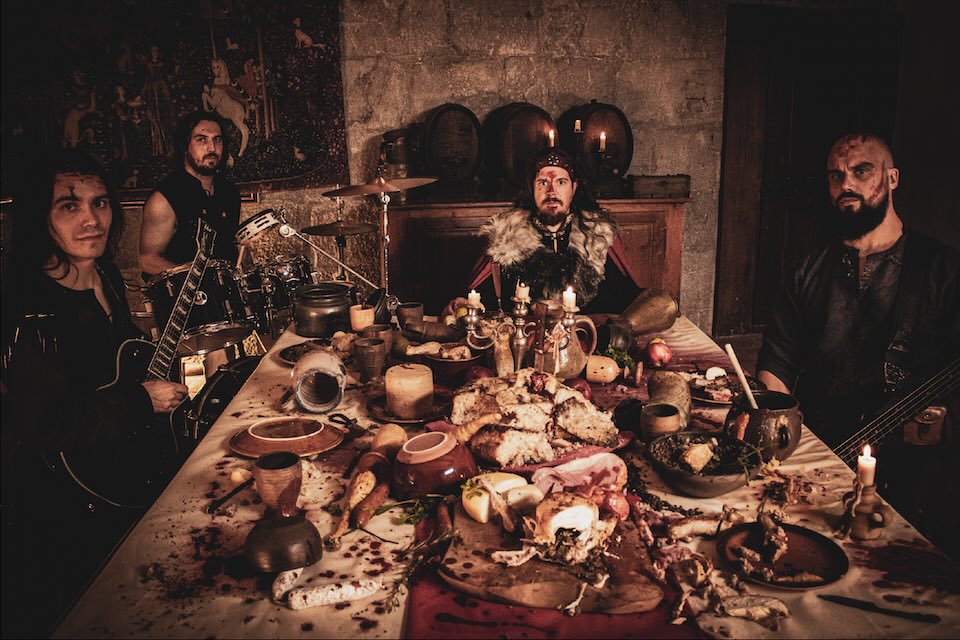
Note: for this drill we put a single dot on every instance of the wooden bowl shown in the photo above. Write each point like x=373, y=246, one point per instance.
x=448, y=371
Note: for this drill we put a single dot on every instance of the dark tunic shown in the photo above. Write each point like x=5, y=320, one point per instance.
x=831, y=328
x=58, y=346
x=190, y=202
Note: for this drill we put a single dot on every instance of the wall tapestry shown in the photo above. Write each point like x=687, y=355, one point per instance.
x=114, y=76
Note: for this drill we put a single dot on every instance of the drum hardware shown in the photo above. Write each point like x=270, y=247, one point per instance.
x=380, y=187
x=340, y=228
x=215, y=395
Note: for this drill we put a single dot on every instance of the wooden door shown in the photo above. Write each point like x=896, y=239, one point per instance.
x=796, y=80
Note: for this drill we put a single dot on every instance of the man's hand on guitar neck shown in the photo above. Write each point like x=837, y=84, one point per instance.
x=165, y=396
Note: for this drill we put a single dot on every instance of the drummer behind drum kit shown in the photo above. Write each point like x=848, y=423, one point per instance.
x=230, y=304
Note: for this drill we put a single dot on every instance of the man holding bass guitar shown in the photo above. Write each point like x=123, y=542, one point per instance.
x=865, y=320
x=64, y=316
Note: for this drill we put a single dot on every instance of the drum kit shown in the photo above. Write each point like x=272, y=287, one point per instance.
x=231, y=303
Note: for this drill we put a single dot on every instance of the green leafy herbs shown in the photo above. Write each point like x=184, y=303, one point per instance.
x=415, y=510
x=418, y=558
x=622, y=358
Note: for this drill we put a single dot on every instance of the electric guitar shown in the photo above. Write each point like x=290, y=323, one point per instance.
x=133, y=471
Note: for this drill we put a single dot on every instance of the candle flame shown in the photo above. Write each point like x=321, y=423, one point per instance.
x=866, y=451
x=570, y=289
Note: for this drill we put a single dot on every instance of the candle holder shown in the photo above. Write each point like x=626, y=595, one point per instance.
x=865, y=515
x=471, y=322
x=520, y=328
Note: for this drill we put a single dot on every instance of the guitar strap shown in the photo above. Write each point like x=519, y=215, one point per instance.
x=899, y=360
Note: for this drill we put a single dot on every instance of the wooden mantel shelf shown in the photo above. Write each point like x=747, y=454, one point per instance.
x=433, y=247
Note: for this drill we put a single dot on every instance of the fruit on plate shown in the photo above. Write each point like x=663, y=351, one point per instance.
x=476, y=499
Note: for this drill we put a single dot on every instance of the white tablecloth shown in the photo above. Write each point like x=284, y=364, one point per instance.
x=179, y=572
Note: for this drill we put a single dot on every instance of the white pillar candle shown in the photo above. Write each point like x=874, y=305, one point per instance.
x=551, y=134
x=569, y=299
x=361, y=316
x=473, y=298
x=577, y=127
x=603, y=141
x=523, y=292
x=409, y=390
x=866, y=468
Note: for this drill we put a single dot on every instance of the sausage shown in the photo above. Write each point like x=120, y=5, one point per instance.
x=322, y=594
x=369, y=505
x=284, y=582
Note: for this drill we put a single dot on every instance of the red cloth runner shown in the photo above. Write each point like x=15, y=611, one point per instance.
x=434, y=610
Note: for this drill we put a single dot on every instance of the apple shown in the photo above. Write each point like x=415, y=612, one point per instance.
x=658, y=353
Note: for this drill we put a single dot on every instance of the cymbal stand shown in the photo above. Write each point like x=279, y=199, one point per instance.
x=385, y=244
x=341, y=240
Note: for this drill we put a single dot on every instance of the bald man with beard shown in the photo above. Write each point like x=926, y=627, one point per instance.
x=860, y=315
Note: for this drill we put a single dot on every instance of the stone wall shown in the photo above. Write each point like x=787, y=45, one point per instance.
x=660, y=62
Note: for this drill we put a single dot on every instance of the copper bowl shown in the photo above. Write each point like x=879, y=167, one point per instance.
x=281, y=544
x=450, y=372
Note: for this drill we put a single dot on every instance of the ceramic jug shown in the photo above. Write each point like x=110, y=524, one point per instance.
x=774, y=427
x=570, y=358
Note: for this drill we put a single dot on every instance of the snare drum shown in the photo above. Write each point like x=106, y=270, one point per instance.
x=217, y=300
x=269, y=288
x=257, y=224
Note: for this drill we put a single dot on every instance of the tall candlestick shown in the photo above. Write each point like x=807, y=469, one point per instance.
x=576, y=127
x=866, y=468
x=603, y=141
x=551, y=134
x=522, y=292
x=569, y=299
x=473, y=299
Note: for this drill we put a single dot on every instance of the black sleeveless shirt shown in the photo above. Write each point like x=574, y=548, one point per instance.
x=190, y=202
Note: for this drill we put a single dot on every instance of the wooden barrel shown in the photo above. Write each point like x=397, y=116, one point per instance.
x=580, y=129
x=449, y=146
x=511, y=135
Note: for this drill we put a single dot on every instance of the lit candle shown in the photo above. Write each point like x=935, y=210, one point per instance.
x=603, y=141
x=473, y=299
x=866, y=468
x=551, y=137
x=576, y=127
x=522, y=292
x=569, y=299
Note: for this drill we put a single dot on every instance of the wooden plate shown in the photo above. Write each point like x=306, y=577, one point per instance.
x=377, y=408
x=807, y=551
x=302, y=436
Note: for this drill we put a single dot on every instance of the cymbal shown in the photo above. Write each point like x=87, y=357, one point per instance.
x=380, y=185
x=340, y=228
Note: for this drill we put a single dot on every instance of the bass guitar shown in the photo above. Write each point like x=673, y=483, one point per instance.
x=913, y=469
x=133, y=471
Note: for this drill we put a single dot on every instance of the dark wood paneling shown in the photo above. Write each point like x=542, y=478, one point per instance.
x=433, y=247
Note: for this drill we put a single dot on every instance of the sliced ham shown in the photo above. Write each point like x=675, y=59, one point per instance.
x=604, y=470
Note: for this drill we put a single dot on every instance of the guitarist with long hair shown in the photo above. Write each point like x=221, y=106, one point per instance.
x=64, y=316
x=862, y=324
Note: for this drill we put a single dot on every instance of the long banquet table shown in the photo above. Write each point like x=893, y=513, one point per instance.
x=180, y=571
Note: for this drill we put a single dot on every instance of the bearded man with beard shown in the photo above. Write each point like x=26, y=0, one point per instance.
x=860, y=323
x=557, y=236
x=876, y=304
x=195, y=190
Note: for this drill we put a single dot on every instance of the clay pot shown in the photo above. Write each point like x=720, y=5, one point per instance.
x=431, y=463
x=774, y=428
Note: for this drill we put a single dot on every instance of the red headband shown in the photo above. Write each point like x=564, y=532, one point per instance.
x=556, y=160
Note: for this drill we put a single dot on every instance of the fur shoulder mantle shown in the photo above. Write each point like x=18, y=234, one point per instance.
x=512, y=238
